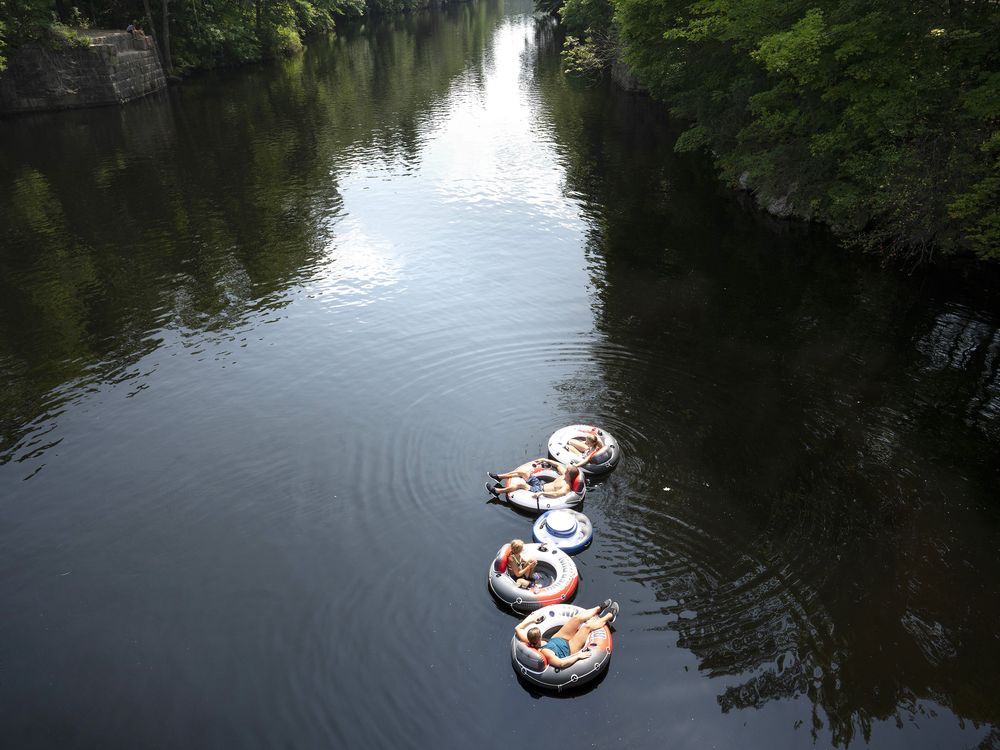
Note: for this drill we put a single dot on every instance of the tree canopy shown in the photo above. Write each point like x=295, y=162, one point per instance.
x=880, y=119
x=191, y=34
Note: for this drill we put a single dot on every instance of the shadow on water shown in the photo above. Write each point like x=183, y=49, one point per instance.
x=811, y=442
x=528, y=515
x=538, y=693
x=808, y=490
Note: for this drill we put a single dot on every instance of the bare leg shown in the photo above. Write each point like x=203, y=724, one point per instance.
x=516, y=483
x=579, y=640
x=528, y=568
x=512, y=474
x=524, y=580
x=568, y=630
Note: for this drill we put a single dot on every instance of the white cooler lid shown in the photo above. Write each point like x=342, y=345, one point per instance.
x=561, y=523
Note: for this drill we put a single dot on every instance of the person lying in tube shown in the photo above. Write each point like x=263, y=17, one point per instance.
x=569, y=480
x=565, y=647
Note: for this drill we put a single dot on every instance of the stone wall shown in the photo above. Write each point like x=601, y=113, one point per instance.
x=115, y=68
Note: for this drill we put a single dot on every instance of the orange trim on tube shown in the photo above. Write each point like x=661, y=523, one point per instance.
x=560, y=596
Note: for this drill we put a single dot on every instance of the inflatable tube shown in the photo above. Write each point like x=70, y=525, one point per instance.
x=569, y=530
x=532, y=665
x=602, y=463
x=556, y=570
x=525, y=498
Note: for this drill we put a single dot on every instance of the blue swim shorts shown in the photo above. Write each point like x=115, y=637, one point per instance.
x=558, y=646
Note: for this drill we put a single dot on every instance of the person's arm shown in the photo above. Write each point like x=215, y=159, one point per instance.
x=516, y=570
x=521, y=629
x=527, y=565
x=558, y=661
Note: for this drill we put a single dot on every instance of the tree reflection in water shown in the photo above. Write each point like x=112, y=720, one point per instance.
x=828, y=432
x=190, y=214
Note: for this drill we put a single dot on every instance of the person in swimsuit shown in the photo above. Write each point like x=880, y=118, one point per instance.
x=565, y=647
x=588, y=446
x=569, y=480
x=521, y=569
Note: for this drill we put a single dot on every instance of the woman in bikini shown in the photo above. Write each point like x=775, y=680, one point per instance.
x=564, y=648
x=520, y=568
x=588, y=446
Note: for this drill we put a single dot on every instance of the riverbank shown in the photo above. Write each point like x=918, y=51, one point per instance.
x=881, y=126
x=191, y=37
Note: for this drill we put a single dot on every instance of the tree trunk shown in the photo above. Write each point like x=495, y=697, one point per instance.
x=148, y=20
x=63, y=10
x=168, y=63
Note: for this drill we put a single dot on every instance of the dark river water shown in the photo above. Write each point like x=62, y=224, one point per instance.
x=262, y=336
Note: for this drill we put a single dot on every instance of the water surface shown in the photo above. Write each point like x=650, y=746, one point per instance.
x=262, y=336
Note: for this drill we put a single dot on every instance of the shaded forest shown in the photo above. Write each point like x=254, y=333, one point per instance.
x=191, y=34
x=879, y=119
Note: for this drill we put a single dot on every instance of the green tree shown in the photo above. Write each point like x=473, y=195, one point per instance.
x=195, y=34
x=877, y=119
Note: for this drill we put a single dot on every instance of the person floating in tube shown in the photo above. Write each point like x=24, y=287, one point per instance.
x=587, y=447
x=521, y=568
x=569, y=480
x=565, y=647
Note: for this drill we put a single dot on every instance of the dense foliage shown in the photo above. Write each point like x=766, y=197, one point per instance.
x=881, y=119
x=192, y=34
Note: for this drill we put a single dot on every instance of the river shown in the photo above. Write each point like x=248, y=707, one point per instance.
x=262, y=336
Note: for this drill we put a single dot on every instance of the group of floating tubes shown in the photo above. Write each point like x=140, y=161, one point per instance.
x=558, y=533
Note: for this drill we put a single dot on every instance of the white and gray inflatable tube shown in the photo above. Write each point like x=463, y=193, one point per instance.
x=569, y=530
x=532, y=666
x=557, y=569
x=602, y=463
x=525, y=498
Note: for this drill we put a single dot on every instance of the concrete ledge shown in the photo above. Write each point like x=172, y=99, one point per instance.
x=116, y=68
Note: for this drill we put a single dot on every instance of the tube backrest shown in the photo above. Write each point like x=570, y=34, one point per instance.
x=531, y=658
x=501, y=561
